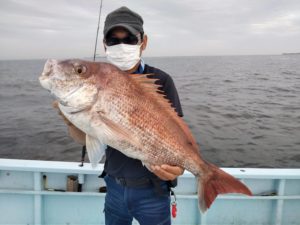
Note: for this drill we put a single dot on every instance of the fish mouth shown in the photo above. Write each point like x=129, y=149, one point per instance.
x=71, y=110
x=64, y=102
x=50, y=63
x=45, y=82
x=47, y=72
x=64, y=107
x=70, y=93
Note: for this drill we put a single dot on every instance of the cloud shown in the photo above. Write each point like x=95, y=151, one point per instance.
x=67, y=28
x=282, y=25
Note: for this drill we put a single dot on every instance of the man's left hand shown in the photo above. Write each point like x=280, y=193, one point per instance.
x=167, y=172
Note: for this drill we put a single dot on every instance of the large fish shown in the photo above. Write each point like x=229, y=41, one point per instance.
x=126, y=111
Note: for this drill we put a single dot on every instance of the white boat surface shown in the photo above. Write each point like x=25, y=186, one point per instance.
x=25, y=199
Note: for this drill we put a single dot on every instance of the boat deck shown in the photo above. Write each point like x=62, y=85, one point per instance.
x=25, y=198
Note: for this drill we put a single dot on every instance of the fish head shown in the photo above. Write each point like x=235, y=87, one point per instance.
x=74, y=83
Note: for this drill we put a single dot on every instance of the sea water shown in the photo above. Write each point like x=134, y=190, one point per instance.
x=243, y=110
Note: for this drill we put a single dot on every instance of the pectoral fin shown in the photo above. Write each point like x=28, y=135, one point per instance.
x=95, y=149
x=114, y=130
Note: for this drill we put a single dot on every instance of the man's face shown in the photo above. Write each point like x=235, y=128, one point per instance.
x=120, y=35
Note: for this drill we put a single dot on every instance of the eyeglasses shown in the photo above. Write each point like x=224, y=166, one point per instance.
x=130, y=40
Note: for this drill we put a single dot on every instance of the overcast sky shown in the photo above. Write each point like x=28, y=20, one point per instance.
x=67, y=28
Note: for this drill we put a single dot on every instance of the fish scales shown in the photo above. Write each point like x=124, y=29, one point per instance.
x=154, y=130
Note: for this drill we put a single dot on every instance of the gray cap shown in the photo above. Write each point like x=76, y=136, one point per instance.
x=123, y=17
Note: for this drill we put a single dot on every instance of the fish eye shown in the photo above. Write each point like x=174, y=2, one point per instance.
x=80, y=69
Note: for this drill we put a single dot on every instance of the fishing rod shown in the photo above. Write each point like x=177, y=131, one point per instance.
x=83, y=152
x=95, y=50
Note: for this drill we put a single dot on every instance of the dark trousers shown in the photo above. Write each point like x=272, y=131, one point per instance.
x=122, y=204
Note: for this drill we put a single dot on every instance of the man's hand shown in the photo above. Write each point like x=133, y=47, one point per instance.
x=75, y=133
x=167, y=172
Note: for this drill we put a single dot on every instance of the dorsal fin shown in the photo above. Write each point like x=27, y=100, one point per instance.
x=149, y=85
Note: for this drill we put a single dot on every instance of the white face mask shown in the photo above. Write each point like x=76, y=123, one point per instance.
x=123, y=56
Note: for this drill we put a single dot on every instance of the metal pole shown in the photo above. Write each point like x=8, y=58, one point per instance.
x=37, y=180
x=95, y=50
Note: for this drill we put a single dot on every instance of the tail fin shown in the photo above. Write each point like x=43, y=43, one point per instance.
x=218, y=182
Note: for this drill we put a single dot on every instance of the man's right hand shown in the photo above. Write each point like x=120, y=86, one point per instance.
x=75, y=133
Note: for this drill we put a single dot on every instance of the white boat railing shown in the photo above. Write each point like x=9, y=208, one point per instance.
x=25, y=200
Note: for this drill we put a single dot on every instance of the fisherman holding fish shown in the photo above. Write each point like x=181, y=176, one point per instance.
x=130, y=112
x=147, y=193
x=132, y=190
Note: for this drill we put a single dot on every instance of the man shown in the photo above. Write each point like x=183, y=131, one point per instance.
x=132, y=190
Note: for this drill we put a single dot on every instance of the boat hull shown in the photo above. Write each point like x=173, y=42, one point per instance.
x=25, y=198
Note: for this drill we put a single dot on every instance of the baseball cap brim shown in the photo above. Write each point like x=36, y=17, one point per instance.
x=126, y=26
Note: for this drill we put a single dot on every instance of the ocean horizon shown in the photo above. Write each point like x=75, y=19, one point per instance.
x=244, y=110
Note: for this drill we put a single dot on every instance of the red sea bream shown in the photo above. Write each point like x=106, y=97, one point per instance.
x=126, y=112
